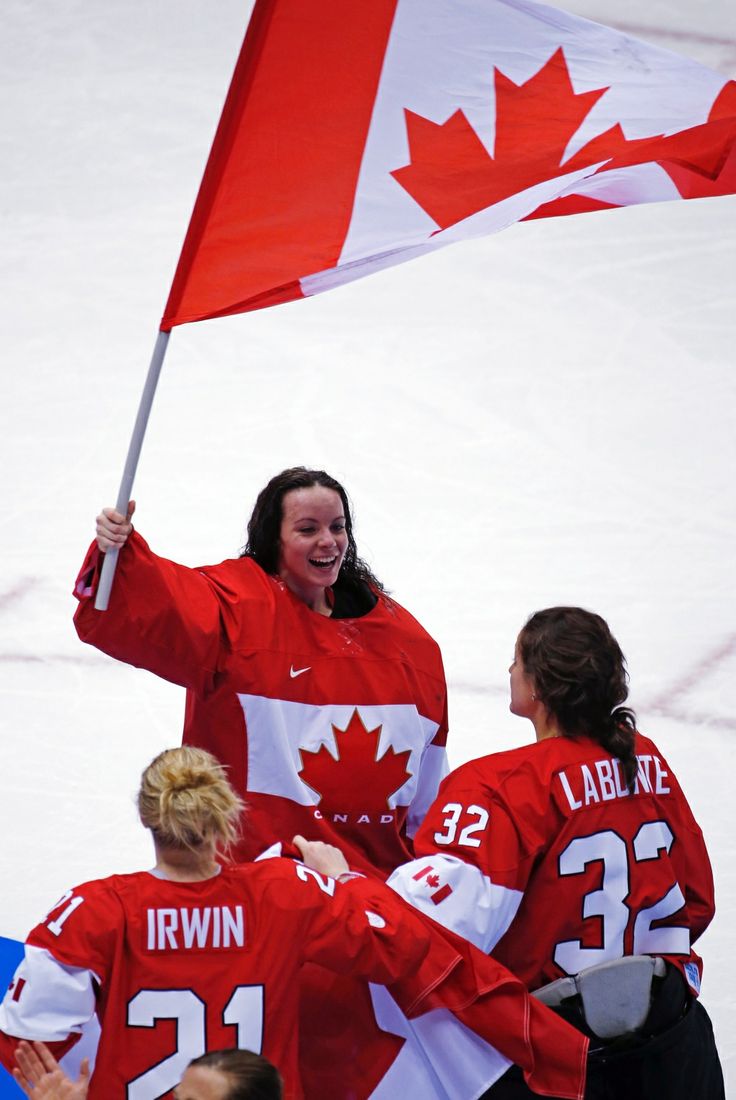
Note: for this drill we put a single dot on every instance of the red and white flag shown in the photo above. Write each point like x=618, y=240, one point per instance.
x=357, y=136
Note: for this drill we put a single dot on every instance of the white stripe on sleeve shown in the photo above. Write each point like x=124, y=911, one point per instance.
x=47, y=1000
x=459, y=896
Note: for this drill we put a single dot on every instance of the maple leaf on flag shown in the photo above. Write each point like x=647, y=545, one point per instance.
x=433, y=880
x=535, y=123
x=356, y=776
x=304, y=190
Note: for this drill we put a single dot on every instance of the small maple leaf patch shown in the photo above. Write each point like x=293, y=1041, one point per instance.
x=356, y=779
x=432, y=879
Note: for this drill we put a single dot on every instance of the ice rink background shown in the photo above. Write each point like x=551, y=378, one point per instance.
x=545, y=416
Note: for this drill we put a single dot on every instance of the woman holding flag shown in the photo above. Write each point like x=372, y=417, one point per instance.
x=323, y=696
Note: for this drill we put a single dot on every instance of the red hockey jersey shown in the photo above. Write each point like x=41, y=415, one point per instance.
x=176, y=968
x=542, y=856
x=335, y=728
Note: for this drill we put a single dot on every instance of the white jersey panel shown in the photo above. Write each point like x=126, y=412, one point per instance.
x=434, y=769
x=458, y=896
x=46, y=999
x=278, y=729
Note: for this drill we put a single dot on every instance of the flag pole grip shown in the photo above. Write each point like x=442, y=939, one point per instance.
x=110, y=560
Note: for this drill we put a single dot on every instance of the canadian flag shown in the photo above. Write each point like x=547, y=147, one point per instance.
x=440, y=890
x=358, y=136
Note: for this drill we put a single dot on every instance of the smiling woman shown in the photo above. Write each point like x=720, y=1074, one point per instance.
x=302, y=529
x=325, y=698
x=313, y=544
x=289, y=653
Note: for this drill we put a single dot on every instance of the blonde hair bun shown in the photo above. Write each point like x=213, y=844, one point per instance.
x=185, y=799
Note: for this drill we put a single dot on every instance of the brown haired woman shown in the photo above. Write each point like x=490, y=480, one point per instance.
x=196, y=954
x=324, y=697
x=576, y=862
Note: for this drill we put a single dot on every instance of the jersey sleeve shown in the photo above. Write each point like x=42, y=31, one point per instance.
x=47, y=1000
x=164, y=617
x=699, y=890
x=472, y=863
x=53, y=993
x=458, y=896
x=691, y=859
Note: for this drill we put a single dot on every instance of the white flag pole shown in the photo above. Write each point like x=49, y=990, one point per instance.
x=136, y=442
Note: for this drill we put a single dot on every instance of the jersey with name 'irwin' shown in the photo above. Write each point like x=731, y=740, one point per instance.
x=177, y=968
x=332, y=728
x=543, y=856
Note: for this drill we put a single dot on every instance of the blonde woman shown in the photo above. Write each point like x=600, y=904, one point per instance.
x=197, y=954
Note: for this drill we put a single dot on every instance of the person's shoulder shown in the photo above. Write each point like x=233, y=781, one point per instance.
x=127, y=893
x=107, y=887
x=483, y=773
x=647, y=751
x=644, y=744
x=497, y=771
x=242, y=567
x=95, y=905
x=507, y=761
x=280, y=878
x=268, y=868
x=117, y=890
x=395, y=617
x=390, y=607
x=242, y=577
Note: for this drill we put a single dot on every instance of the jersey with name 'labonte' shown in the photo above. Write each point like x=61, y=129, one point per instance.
x=542, y=856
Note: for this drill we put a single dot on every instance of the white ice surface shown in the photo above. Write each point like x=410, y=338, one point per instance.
x=539, y=417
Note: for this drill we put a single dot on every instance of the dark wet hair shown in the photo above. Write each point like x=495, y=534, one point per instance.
x=579, y=673
x=264, y=525
x=251, y=1076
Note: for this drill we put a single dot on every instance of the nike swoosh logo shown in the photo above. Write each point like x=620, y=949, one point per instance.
x=294, y=672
